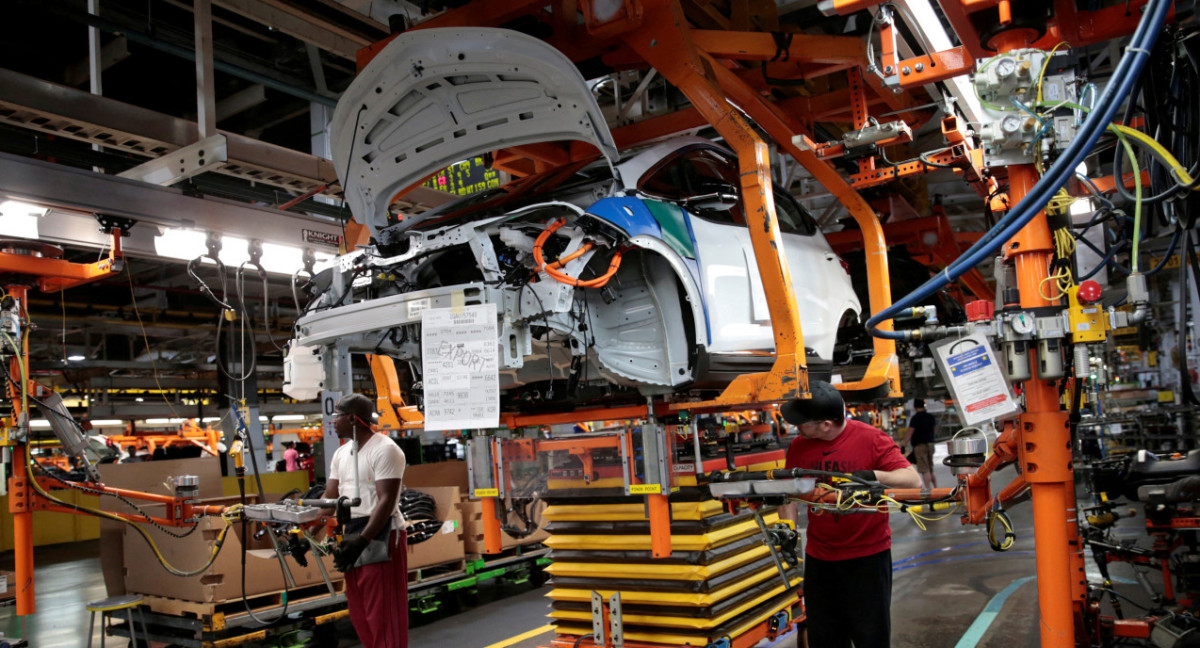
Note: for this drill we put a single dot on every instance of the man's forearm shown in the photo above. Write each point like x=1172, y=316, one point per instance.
x=902, y=478
x=788, y=511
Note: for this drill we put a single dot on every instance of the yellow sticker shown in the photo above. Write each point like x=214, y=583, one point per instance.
x=457, y=301
x=487, y=492
x=645, y=489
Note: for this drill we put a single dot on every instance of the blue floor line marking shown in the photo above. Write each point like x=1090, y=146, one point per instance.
x=896, y=568
x=982, y=622
x=936, y=551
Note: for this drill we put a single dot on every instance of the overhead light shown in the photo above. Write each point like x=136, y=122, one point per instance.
x=290, y=417
x=76, y=358
x=234, y=251
x=178, y=243
x=108, y=423
x=20, y=219
x=164, y=421
x=40, y=424
x=139, y=399
x=210, y=419
x=283, y=259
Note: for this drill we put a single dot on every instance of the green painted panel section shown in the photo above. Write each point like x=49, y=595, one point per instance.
x=670, y=218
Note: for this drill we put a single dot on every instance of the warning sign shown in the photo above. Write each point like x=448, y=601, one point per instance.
x=975, y=380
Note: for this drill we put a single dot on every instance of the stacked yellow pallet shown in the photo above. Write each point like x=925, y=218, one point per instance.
x=719, y=582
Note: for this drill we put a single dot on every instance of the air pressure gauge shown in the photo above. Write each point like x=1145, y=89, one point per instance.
x=1005, y=67
x=1022, y=323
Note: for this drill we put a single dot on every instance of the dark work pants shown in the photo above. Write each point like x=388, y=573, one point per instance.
x=849, y=600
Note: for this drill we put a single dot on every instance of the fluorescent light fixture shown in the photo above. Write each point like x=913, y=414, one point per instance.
x=290, y=417
x=283, y=259
x=164, y=421
x=39, y=424
x=234, y=251
x=108, y=423
x=139, y=399
x=179, y=243
x=210, y=419
x=20, y=219
x=76, y=358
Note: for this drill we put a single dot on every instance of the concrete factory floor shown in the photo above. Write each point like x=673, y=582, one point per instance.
x=944, y=577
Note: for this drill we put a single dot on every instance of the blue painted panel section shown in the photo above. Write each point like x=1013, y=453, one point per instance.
x=633, y=217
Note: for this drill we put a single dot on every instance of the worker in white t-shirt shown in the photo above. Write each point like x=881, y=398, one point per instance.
x=373, y=553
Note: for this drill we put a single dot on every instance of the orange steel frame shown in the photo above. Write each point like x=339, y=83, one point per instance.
x=700, y=63
x=52, y=275
x=705, y=68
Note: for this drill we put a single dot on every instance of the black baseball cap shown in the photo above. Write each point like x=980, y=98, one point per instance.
x=826, y=404
x=356, y=405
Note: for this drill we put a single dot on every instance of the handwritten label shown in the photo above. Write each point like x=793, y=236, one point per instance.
x=461, y=368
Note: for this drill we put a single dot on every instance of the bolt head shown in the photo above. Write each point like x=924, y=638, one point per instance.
x=906, y=70
x=888, y=69
x=920, y=67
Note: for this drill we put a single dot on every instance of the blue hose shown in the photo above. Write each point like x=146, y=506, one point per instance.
x=1127, y=72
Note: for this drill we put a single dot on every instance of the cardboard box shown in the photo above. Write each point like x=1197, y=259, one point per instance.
x=221, y=581
x=8, y=585
x=447, y=545
x=443, y=473
x=472, y=513
x=146, y=476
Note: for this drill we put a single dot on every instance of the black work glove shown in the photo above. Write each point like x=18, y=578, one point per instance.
x=868, y=475
x=347, y=553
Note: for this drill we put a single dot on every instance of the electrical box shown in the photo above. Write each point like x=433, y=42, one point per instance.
x=1085, y=323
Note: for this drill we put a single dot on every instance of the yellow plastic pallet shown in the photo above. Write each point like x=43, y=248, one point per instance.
x=673, y=598
x=656, y=572
x=676, y=622
x=643, y=542
x=629, y=512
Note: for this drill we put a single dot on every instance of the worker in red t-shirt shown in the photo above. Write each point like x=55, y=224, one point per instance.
x=848, y=556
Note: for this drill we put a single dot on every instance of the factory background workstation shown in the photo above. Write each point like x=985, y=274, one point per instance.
x=600, y=323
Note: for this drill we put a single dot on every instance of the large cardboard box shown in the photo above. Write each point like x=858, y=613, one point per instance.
x=446, y=545
x=149, y=476
x=473, y=528
x=454, y=473
x=222, y=580
x=442, y=473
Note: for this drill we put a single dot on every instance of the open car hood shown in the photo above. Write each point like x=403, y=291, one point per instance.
x=434, y=97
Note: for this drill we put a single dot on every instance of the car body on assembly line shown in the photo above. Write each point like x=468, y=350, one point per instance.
x=620, y=277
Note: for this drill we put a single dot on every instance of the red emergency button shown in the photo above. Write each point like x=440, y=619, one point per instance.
x=1089, y=292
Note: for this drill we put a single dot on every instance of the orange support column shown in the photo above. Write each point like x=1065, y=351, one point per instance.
x=1044, y=443
x=660, y=525
x=18, y=505
x=492, y=543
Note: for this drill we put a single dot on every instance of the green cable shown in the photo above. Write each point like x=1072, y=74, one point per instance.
x=1137, y=199
x=1137, y=177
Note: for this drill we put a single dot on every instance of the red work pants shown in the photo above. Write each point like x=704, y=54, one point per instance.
x=377, y=596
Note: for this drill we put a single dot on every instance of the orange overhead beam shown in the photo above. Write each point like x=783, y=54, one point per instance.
x=760, y=46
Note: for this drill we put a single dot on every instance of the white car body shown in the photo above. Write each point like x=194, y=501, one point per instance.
x=685, y=311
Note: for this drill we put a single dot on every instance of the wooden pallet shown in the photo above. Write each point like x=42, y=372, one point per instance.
x=437, y=571
x=534, y=549
x=257, y=602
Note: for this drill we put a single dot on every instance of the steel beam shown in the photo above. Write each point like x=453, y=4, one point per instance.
x=32, y=103
x=66, y=188
x=209, y=154
x=206, y=102
x=242, y=100
x=297, y=26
